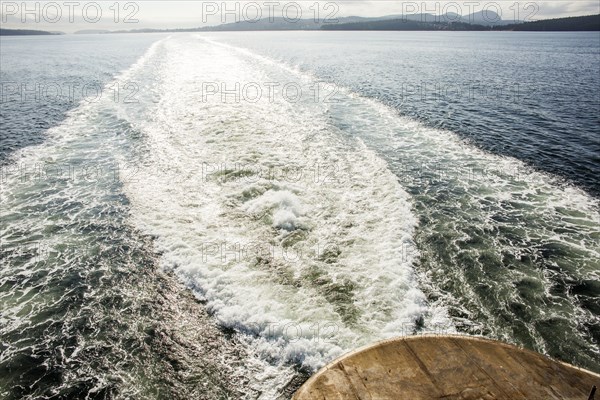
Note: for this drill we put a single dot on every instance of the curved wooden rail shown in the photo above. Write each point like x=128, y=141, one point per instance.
x=449, y=368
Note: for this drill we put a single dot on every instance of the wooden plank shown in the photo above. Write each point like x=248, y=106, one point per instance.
x=448, y=368
x=384, y=369
x=453, y=368
x=331, y=385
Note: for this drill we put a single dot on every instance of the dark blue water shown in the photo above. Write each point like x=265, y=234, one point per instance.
x=491, y=232
x=79, y=286
x=534, y=96
x=45, y=76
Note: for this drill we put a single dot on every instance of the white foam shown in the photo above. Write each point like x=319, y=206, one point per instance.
x=337, y=271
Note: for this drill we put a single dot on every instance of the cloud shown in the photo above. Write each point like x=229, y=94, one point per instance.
x=71, y=16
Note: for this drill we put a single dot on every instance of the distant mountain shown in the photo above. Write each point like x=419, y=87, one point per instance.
x=452, y=20
x=586, y=23
x=25, y=32
x=486, y=18
x=275, y=24
x=281, y=24
x=480, y=21
x=405, y=25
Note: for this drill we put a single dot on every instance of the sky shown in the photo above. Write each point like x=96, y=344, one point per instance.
x=70, y=16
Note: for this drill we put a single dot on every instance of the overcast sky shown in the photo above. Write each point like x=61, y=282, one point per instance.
x=69, y=16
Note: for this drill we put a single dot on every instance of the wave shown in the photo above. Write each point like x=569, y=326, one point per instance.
x=310, y=225
x=498, y=240
x=294, y=235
